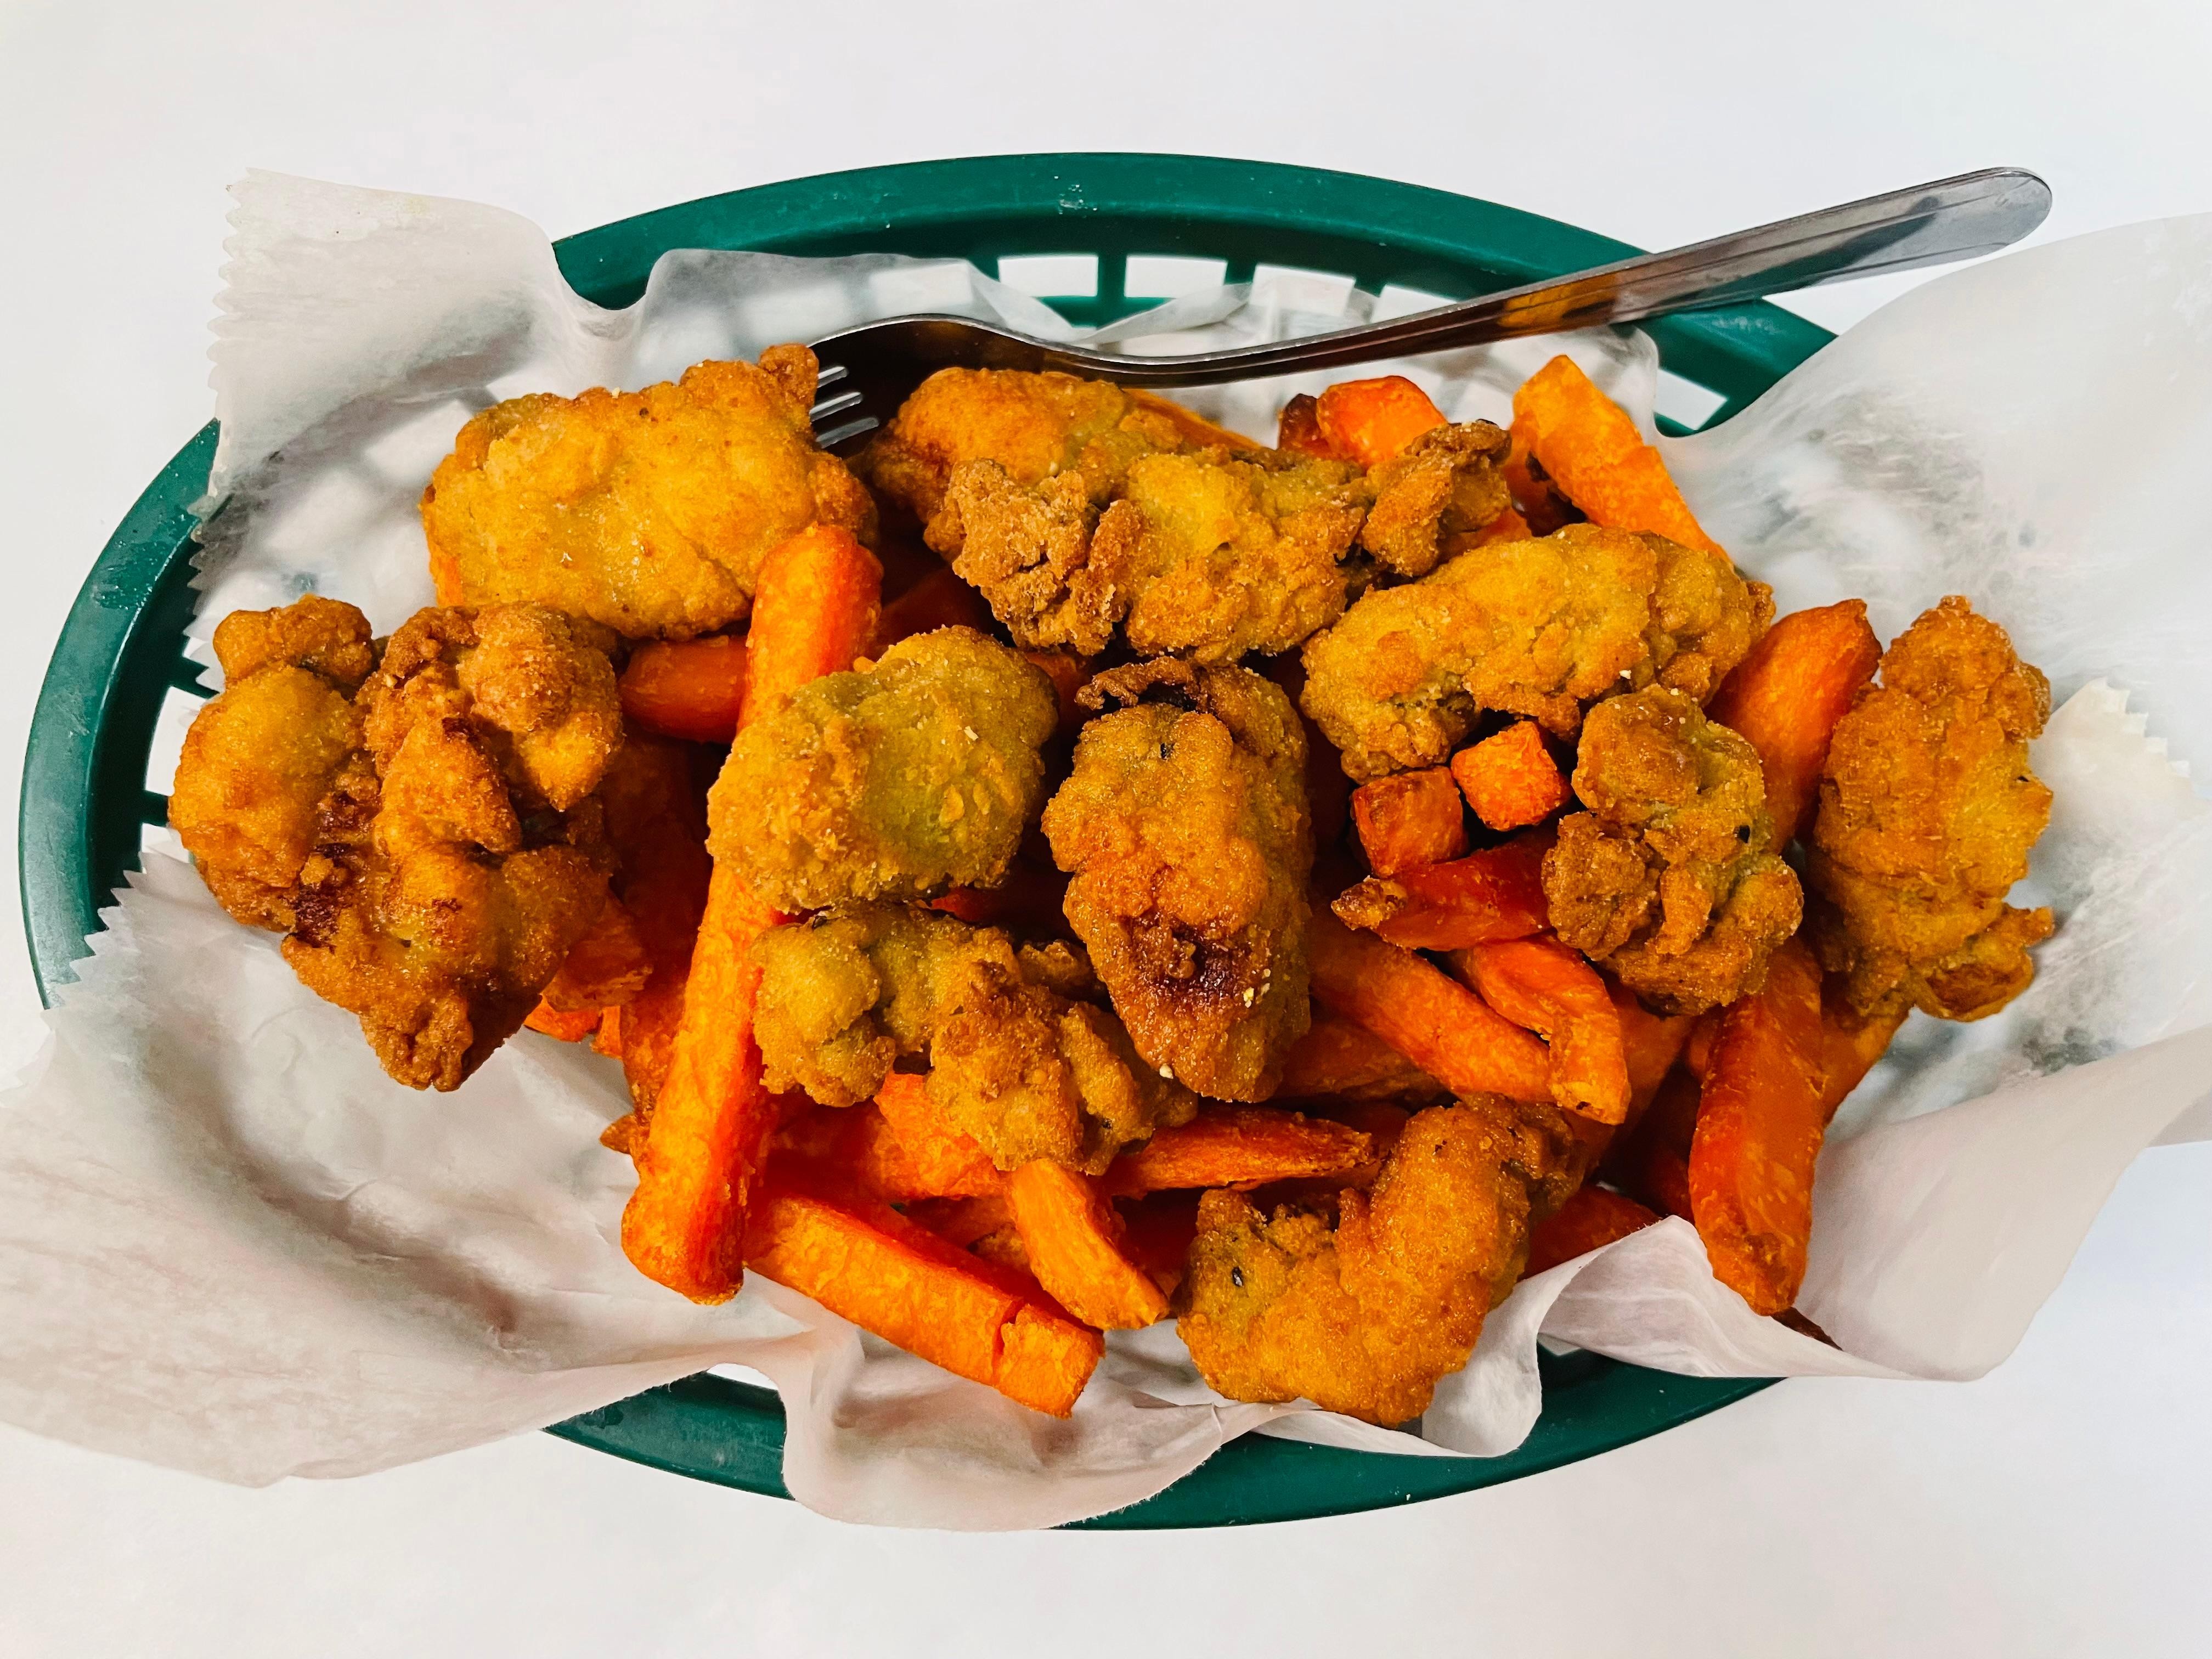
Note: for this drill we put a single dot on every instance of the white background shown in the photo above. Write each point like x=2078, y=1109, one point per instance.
x=2059, y=1506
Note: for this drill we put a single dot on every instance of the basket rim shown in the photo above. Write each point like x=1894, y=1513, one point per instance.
x=713, y=1428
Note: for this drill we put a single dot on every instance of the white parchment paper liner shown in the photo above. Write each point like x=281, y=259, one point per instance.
x=228, y=1244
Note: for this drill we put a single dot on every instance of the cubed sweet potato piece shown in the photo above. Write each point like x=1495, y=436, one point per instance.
x=1412, y=819
x=1510, y=779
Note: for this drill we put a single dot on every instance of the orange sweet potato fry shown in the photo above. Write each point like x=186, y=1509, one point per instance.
x=1298, y=429
x=1653, y=1162
x=865, y=1262
x=1759, y=1127
x=945, y=1162
x=1589, y=448
x=658, y=827
x=814, y=610
x=966, y=1222
x=1850, y=1042
x=1592, y=1219
x=1371, y=421
x=939, y=599
x=1408, y=819
x=689, y=689
x=606, y=967
x=608, y=1041
x=1541, y=984
x=570, y=1026
x=1787, y=695
x=1229, y=1145
x=1510, y=779
x=1073, y=1240
x=1652, y=1043
x=1439, y=1025
x=1498, y=893
x=1337, y=1056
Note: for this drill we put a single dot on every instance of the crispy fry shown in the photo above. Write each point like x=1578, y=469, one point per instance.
x=570, y=1026
x=1590, y=1220
x=814, y=611
x=939, y=599
x=1440, y=1025
x=1652, y=1043
x=1338, y=1057
x=1541, y=984
x=1786, y=698
x=1510, y=779
x=1298, y=429
x=1586, y=444
x=945, y=1162
x=1498, y=893
x=1408, y=819
x=865, y=1262
x=1073, y=1236
x=606, y=967
x=1850, y=1042
x=689, y=689
x=1371, y=421
x=1236, y=1147
x=1760, y=1124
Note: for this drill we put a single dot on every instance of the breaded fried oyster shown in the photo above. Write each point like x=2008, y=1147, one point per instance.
x=913, y=776
x=1184, y=826
x=1669, y=879
x=1539, y=628
x=649, y=510
x=1928, y=812
x=452, y=854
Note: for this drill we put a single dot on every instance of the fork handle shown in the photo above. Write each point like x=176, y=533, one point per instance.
x=1974, y=213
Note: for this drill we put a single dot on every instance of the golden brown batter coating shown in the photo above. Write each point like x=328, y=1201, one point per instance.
x=1365, y=1316
x=260, y=757
x=916, y=775
x=649, y=511
x=1928, y=811
x=1185, y=827
x=1015, y=1059
x=1669, y=880
x=1540, y=628
x=430, y=847
x=1434, y=493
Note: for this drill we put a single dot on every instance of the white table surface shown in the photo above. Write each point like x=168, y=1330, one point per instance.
x=2058, y=1506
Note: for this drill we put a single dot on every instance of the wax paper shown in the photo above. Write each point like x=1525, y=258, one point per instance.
x=228, y=1243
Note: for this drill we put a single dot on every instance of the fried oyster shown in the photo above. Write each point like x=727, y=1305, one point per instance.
x=649, y=511
x=1017, y=1058
x=914, y=774
x=1079, y=509
x=1184, y=826
x=442, y=841
x=1669, y=879
x=1928, y=812
x=1364, y=1316
x=1537, y=627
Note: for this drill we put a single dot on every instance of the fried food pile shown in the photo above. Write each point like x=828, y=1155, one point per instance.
x=429, y=845
x=1035, y=967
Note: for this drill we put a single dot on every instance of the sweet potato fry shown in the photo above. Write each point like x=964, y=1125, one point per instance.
x=1592, y=1219
x=1439, y=1025
x=867, y=1263
x=1371, y=421
x=1339, y=1057
x=814, y=611
x=1787, y=695
x=1073, y=1238
x=1409, y=820
x=1759, y=1125
x=1298, y=429
x=1235, y=1146
x=606, y=967
x=608, y=1039
x=1653, y=1162
x=570, y=1026
x=1652, y=1043
x=945, y=1162
x=968, y=1222
x=1510, y=779
x=939, y=599
x=1587, y=444
x=1498, y=893
x=690, y=689
x=1535, y=497
x=659, y=828
x=1851, y=1043
x=1541, y=984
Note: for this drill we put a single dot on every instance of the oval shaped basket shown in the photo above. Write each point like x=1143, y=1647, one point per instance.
x=85, y=803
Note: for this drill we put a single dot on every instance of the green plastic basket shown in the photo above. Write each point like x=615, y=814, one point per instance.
x=85, y=802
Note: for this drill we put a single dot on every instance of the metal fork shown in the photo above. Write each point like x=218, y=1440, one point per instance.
x=868, y=371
